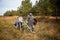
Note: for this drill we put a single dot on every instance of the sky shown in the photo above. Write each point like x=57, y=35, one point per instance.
x=10, y=5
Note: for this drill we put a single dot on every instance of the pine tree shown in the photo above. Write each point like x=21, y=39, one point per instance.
x=25, y=8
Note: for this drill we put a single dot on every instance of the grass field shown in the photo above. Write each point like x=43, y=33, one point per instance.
x=44, y=30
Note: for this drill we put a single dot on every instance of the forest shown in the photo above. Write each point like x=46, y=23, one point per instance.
x=41, y=8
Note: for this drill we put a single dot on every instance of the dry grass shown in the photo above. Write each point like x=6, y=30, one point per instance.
x=44, y=30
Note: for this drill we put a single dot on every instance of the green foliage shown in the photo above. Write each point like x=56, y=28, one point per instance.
x=41, y=8
x=10, y=13
x=56, y=6
x=25, y=8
